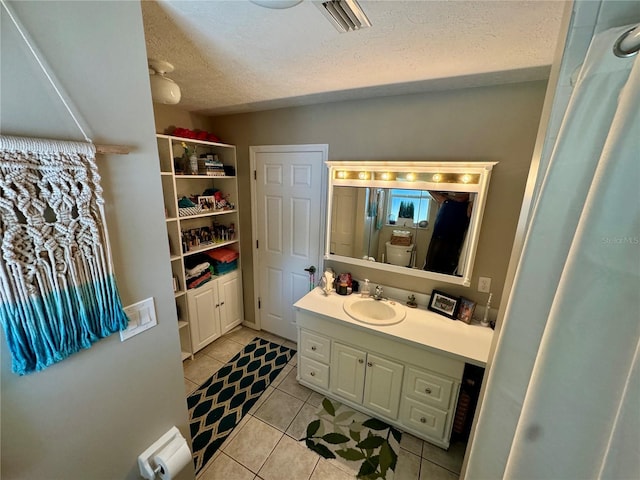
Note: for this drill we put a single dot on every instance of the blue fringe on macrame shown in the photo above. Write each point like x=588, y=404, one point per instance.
x=58, y=294
x=46, y=330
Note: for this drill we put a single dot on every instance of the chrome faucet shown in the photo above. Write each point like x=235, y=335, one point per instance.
x=378, y=293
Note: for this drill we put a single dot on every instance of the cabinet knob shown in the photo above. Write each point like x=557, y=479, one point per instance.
x=313, y=348
x=360, y=360
x=427, y=391
x=369, y=364
x=221, y=303
x=313, y=374
x=423, y=420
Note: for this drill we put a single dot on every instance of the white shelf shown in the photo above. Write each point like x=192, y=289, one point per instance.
x=208, y=214
x=208, y=177
x=209, y=246
x=176, y=183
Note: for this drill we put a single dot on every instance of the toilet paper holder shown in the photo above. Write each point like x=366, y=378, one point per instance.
x=148, y=467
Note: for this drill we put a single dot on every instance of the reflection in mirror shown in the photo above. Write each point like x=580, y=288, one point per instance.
x=429, y=231
x=410, y=228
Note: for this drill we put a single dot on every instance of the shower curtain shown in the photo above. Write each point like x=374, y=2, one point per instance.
x=563, y=391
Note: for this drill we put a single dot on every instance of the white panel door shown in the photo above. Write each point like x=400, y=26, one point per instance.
x=288, y=227
x=344, y=210
x=382, y=386
x=204, y=318
x=347, y=372
x=230, y=291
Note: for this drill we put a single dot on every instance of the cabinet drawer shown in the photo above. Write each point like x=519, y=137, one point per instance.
x=313, y=372
x=423, y=418
x=315, y=346
x=427, y=387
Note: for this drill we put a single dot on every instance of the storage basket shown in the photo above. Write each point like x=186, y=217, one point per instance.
x=401, y=237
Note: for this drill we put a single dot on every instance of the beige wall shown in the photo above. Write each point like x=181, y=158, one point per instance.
x=91, y=415
x=497, y=123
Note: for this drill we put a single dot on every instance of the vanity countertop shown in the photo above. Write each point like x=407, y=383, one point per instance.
x=454, y=338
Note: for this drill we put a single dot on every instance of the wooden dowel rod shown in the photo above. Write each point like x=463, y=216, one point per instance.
x=113, y=149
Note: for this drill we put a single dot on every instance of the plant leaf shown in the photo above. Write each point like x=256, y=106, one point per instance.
x=335, y=438
x=328, y=406
x=356, y=426
x=386, y=459
x=347, y=414
x=350, y=454
x=397, y=434
x=373, y=441
x=320, y=449
x=312, y=428
x=375, y=424
x=367, y=468
x=355, y=435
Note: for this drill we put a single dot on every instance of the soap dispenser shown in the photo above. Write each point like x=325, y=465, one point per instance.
x=365, y=290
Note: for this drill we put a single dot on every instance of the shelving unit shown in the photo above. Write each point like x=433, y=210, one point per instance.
x=214, y=307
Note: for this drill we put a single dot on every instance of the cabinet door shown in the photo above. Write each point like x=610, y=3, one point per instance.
x=347, y=372
x=204, y=320
x=382, y=385
x=230, y=299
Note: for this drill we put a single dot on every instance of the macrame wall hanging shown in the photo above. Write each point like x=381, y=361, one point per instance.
x=57, y=289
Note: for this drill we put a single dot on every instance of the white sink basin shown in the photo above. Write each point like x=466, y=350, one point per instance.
x=374, y=312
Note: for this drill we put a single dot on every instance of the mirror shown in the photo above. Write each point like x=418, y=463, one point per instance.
x=419, y=218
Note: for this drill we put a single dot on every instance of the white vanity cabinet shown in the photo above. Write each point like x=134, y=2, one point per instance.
x=404, y=384
x=214, y=309
x=367, y=379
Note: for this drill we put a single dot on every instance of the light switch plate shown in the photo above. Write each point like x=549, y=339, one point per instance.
x=142, y=316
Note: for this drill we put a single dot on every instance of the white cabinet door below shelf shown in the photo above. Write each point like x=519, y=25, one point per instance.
x=230, y=299
x=382, y=385
x=347, y=372
x=204, y=321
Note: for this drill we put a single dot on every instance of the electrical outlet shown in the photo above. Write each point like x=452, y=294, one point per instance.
x=484, y=284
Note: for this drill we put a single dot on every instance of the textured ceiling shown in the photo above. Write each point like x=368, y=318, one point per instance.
x=235, y=56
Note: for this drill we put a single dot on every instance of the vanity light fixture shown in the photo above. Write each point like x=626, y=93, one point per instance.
x=411, y=177
x=466, y=178
x=436, y=177
x=341, y=174
x=386, y=176
x=363, y=176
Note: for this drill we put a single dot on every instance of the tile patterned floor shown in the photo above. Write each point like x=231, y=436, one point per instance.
x=264, y=445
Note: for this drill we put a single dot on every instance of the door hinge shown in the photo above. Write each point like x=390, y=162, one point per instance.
x=259, y=303
x=255, y=174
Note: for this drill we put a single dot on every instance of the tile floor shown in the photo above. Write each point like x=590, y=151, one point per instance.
x=264, y=444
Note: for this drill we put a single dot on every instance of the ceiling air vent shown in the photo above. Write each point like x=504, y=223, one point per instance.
x=345, y=15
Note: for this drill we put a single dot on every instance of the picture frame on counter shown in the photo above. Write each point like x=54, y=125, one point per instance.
x=444, y=304
x=465, y=312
